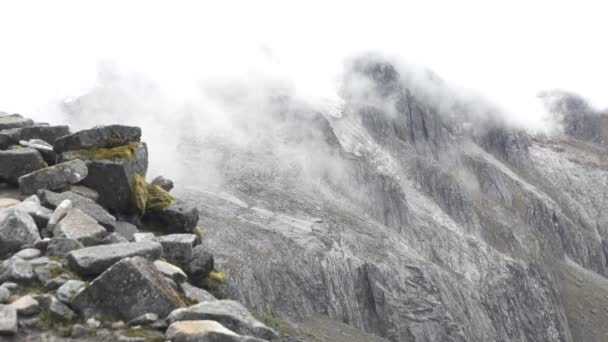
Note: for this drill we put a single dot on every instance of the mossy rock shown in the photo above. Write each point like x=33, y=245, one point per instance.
x=139, y=192
x=157, y=198
x=126, y=152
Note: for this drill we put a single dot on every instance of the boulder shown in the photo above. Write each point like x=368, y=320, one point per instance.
x=195, y=294
x=163, y=183
x=52, y=200
x=14, y=121
x=130, y=288
x=125, y=168
x=49, y=134
x=95, y=260
x=68, y=290
x=62, y=246
x=170, y=271
x=8, y=320
x=26, y=306
x=59, y=213
x=229, y=313
x=177, y=217
x=199, y=267
x=204, y=331
x=54, y=177
x=16, y=269
x=126, y=230
x=98, y=137
x=178, y=248
x=17, y=162
x=17, y=228
x=77, y=225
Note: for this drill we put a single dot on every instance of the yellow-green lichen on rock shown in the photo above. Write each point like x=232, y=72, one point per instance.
x=126, y=152
x=158, y=198
x=139, y=192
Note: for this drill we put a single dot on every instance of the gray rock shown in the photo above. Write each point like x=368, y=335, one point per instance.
x=57, y=282
x=84, y=192
x=163, y=183
x=17, y=228
x=98, y=137
x=26, y=306
x=56, y=309
x=95, y=260
x=48, y=134
x=54, y=177
x=170, y=271
x=17, y=270
x=93, y=323
x=42, y=244
x=62, y=246
x=229, y=313
x=199, y=266
x=52, y=200
x=195, y=294
x=59, y=213
x=8, y=320
x=5, y=294
x=113, y=238
x=8, y=202
x=178, y=217
x=32, y=206
x=145, y=319
x=77, y=225
x=137, y=237
x=45, y=149
x=18, y=162
x=178, y=248
x=128, y=289
x=126, y=229
x=14, y=121
x=79, y=331
x=10, y=285
x=68, y=290
x=28, y=253
x=47, y=271
x=203, y=331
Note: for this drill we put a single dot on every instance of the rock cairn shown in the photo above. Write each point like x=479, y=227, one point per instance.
x=92, y=251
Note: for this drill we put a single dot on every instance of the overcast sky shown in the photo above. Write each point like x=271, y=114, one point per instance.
x=506, y=50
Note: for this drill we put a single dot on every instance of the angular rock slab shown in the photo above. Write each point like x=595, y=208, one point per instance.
x=126, y=230
x=14, y=121
x=77, y=225
x=178, y=248
x=97, y=259
x=17, y=228
x=48, y=134
x=32, y=206
x=229, y=313
x=8, y=320
x=177, y=217
x=124, y=174
x=204, y=331
x=98, y=137
x=18, y=162
x=54, y=177
x=130, y=288
x=53, y=200
x=16, y=269
x=62, y=246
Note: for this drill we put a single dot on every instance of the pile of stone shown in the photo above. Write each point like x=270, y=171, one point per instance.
x=79, y=259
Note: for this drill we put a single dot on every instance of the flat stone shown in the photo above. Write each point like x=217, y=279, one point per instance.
x=28, y=253
x=130, y=288
x=170, y=271
x=62, y=246
x=98, y=137
x=54, y=177
x=229, y=313
x=26, y=306
x=137, y=237
x=126, y=229
x=203, y=331
x=17, y=228
x=178, y=248
x=18, y=162
x=52, y=200
x=45, y=149
x=195, y=294
x=68, y=290
x=48, y=134
x=8, y=320
x=177, y=217
x=77, y=225
x=95, y=260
